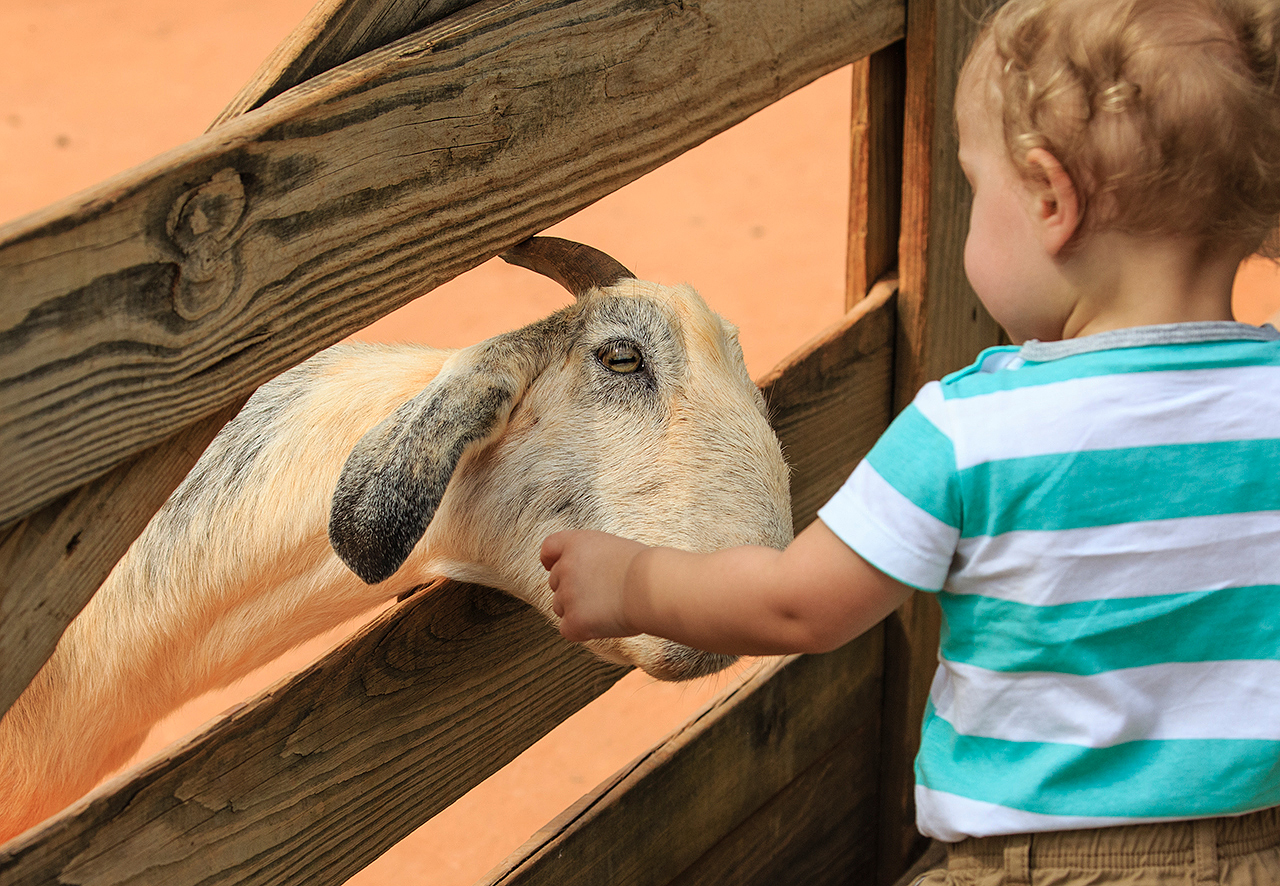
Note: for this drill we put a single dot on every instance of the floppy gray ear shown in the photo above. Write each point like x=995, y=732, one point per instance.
x=392, y=481
x=394, y=478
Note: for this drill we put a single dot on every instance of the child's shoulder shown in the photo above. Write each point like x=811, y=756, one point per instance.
x=993, y=370
x=991, y=360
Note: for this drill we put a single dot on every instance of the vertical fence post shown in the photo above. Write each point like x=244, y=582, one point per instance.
x=875, y=201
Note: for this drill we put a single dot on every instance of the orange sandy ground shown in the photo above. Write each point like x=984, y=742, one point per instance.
x=755, y=218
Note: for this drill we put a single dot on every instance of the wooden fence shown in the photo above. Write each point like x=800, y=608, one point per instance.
x=136, y=317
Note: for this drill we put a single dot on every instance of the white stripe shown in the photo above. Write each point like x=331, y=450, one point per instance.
x=934, y=406
x=1117, y=411
x=885, y=528
x=950, y=817
x=1177, y=700
x=1128, y=560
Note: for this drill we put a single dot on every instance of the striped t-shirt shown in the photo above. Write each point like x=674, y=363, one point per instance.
x=1101, y=520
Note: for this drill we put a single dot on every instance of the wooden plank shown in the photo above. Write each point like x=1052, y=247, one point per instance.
x=819, y=830
x=656, y=818
x=334, y=32
x=61, y=554
x=392, y=731
x=941, y=327
x=137, y=307
x=830, y=400
x=52, y=561
x=324, y=772
x=875, y=201
x=158, y=353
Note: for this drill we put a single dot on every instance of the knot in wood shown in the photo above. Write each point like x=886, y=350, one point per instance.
x=201, y=224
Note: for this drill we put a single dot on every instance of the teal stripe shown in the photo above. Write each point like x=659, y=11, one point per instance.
x=1077, y=490
x=1106, y=635
x=1150, y=358
x=1175, y=778
x=913, y=456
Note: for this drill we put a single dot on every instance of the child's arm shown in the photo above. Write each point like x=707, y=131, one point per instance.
x=813, y=597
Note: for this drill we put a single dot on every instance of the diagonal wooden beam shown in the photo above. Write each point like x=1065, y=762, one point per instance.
x=155, y=299
x=162, y=297
x=61, y=553
x=335, y=32
x=318, y=775
x=52, y=561
x=329, y=768
x=680, y=815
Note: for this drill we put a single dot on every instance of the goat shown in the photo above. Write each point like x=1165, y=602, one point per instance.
x=368, y=470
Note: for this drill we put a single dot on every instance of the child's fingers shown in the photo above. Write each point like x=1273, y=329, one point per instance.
x=552, y=549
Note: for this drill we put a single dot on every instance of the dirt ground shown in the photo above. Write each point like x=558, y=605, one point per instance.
x=754, y=218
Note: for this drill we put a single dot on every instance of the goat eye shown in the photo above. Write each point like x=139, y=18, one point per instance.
x=620, y=356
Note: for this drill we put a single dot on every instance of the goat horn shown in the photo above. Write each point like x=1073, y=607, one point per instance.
x=576, y=267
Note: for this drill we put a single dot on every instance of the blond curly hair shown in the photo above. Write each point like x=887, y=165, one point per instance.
x=1166, y=113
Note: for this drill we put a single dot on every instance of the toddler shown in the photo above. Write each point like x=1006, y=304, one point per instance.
x=1098, y=506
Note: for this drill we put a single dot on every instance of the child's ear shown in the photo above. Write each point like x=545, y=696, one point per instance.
x=1057, y=203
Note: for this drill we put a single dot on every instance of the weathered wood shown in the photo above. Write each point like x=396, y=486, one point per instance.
x=941, y=323
x=324, y=772
x=157, y=350
x=139, y=306
x=656, y=818
x=830, y=400
x=875, y=200
x=818, y=830
x=52, y=561
x=941, y=327
x=334, y=32
x=389, y=739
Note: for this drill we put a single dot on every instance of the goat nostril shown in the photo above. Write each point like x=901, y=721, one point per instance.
x=620, y=356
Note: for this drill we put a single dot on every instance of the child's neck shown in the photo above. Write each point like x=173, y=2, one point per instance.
x=1123, y=281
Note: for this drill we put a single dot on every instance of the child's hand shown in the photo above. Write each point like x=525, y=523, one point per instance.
x=588, y=572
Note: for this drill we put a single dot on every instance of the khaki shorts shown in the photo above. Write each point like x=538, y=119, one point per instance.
x=1237, y=851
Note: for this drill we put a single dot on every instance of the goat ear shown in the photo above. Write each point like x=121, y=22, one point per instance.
x=394, y=478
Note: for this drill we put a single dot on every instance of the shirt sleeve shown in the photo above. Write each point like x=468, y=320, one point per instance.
x=900, y=510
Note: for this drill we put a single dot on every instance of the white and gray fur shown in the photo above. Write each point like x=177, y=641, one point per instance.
x=370, y=470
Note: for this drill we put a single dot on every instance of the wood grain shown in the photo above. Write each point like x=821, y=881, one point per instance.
x=335, y=32
x=55, y=558
x=875, y=198
x=942, y=325
x=656, y=818
x=52, y=561
x=140, y=306
x=327, y=770
x=423, y=704
x=830, y=400
x=816, y=830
